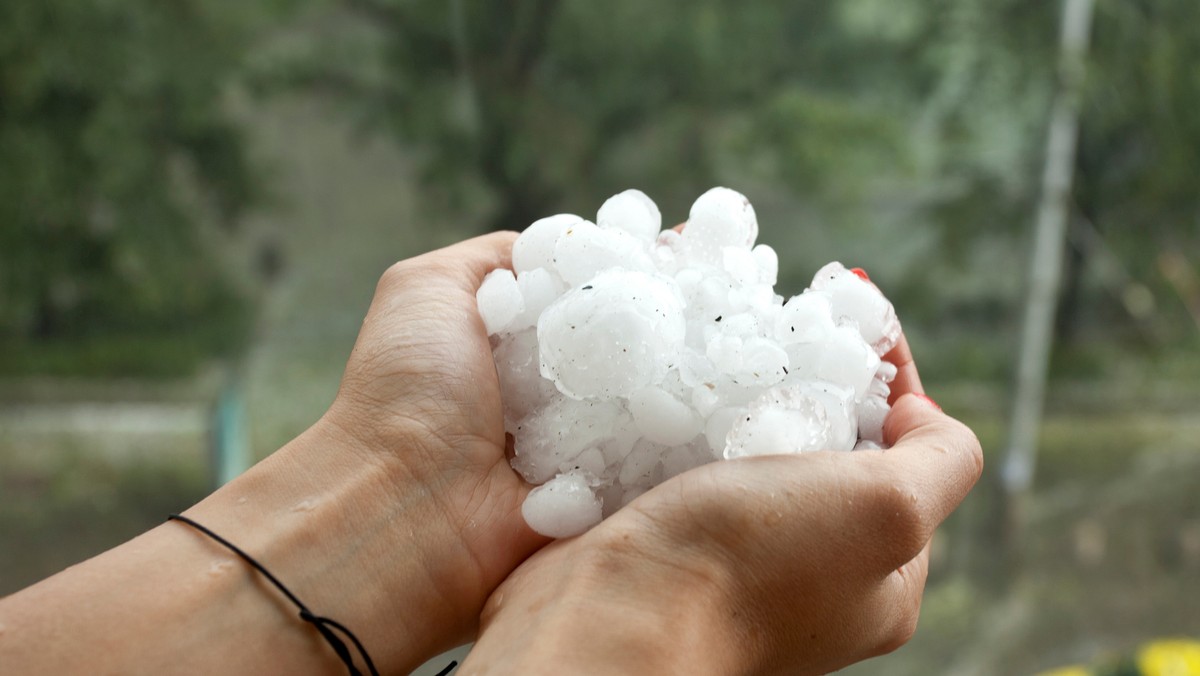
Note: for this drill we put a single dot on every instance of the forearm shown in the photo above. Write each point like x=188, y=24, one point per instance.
x=173, y=601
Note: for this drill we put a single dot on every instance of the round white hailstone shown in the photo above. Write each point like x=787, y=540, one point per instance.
x=719, y=218
x=872, y=411
x=705, y=400
x=662, y=418
x=522, y=389
x=722, y=420
x=640, y=466
x=559, y=432
x=767, y=262
x=886, y=373
x=584, y=249
x=858, y=301
x=784, y=420
x=806, y=318
x=499, y=300
x=538, y=289
x=633, y=212
x=589, y=464
x=839, y=356
x=764, y=363
x=725, y=353
x=534, y=247
x=618, y=333
x=739, y=263
x=562, y=507
x=656, y=352
x=839, y=410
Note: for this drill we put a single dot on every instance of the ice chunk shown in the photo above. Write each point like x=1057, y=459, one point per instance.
x=838, y=356
x=561, y=431
x=806, y=318
x=767, y=262
x=662, y=418
x=784, y=420
x=872, y=411
x=840, y=411
x=499, y=300
x=716, y=430
x=632, y=211
x=616, y=334
x=522, y=387
x=719, y=218
x=562, y=507
x=584, y=250
x=534, y=248
x=858, y=301
x=641, y=466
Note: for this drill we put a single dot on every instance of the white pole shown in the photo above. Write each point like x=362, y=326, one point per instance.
x=1046, y=264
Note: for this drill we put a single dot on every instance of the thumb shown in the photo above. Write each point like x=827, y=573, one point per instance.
x=937, y=458
x=467, y=263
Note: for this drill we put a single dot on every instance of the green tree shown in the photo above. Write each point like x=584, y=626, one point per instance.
x=545, y=103
x=114, y=148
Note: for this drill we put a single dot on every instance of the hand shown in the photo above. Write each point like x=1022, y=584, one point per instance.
x=788, y=564
x=420, y=397
x=396, y=515
x=420, y=401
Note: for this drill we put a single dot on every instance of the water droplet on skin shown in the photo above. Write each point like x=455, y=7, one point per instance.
x=219, y=568
x=242, y=500
x=305, y=506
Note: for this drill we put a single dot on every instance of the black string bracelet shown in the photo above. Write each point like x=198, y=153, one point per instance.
x=322, y=624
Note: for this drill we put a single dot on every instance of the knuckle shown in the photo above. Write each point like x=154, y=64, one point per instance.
x=903, y=628
x=397, y=276
x=975, y=452
x=899, y=513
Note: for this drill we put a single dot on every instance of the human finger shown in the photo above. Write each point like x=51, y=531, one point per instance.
x=933, y=462
x=903, y=591
x=462, y=265
x=907, y=380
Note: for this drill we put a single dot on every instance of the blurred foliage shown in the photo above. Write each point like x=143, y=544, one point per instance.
x=548, y=103
x=920, y=114
x=115, y=153
x=912, y=126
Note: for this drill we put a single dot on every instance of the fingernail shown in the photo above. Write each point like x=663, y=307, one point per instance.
x=929, y=401
x=862, y=274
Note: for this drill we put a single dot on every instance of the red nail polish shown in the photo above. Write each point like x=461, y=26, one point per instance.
x=862, y=274
x=931, y=402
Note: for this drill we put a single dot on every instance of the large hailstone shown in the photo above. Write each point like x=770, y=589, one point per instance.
x=627, y=355
x=613, y=335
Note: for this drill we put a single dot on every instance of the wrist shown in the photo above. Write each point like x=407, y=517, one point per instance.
x=586, y=610
x=357, y=538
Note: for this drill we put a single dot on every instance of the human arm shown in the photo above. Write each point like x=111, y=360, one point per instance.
x=396, y=514
x=786, y=564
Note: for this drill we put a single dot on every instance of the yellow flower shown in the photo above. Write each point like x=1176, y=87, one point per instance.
x=1176, y=657
x=1068, y=671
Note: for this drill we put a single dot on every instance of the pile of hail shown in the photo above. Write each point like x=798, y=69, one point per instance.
x=628, y=354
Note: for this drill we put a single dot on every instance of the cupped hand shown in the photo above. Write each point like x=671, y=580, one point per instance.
x=421, y=397
x=796, y=564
